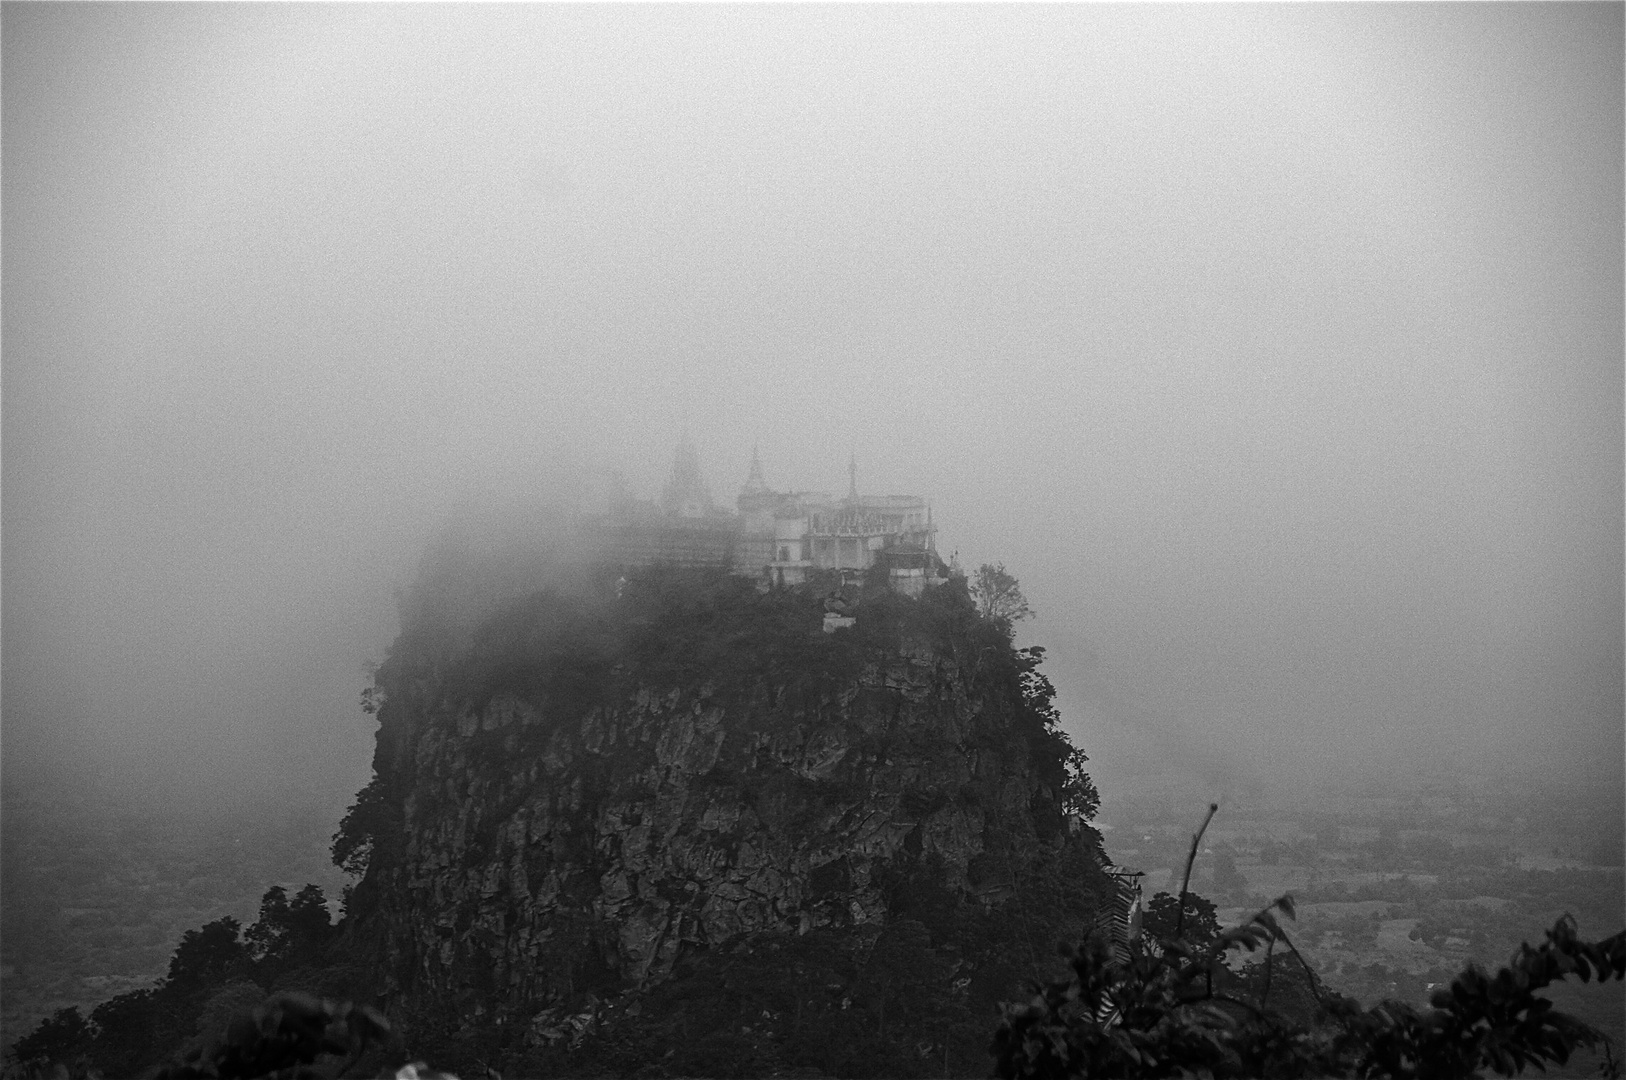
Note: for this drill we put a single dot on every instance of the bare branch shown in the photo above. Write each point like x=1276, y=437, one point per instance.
x=1185, y=883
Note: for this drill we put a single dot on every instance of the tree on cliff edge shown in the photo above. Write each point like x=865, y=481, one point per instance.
x=998, y=595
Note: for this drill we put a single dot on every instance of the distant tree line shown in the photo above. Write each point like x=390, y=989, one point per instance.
x=217, y=972
x=891, y=1001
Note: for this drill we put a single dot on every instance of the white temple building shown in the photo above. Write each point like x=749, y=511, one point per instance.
x=778, y=537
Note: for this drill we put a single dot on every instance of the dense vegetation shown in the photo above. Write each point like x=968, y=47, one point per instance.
x=821, y=1004
x=1174, y=1009
x=217, y=972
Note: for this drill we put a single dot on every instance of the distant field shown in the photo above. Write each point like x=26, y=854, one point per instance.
x=1340, y=909
x=1275, y=880
x=1272, y=881
x=1256, y=829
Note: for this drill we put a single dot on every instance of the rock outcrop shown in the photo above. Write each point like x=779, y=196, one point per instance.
x=593, y=789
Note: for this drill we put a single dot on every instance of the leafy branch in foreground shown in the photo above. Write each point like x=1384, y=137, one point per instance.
x=287, y=1033
x=1172, y=1010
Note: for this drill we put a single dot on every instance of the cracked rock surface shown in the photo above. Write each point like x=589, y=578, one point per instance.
x=543, y=847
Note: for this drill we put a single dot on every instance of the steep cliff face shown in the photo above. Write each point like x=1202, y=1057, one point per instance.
x=594, y=788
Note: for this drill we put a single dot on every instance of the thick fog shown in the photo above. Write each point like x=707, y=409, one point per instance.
x=1276, y=349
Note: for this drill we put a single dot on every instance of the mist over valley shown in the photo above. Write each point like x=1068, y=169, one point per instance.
x=1275, y=354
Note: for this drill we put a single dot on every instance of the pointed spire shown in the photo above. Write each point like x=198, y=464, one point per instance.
x=852, y=476
x=754, y=482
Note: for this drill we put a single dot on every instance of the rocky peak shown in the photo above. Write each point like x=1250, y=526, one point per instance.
x=598, y=788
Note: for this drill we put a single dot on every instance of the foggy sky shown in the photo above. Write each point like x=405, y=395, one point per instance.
x=1276, y=349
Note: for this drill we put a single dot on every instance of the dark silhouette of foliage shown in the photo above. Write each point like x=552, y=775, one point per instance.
x=1178, y=1011
x=132, y=1031
x=287, y=932
x=366, y=819
x=56, y=1039
x=208, y=956
x=213, y=972
x=1491, y=1021
x=1038, y=693
x=1078, y=793
x=1161, y=920
x=288, y=1032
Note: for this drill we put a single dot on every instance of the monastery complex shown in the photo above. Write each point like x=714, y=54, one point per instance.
x=776, y=537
